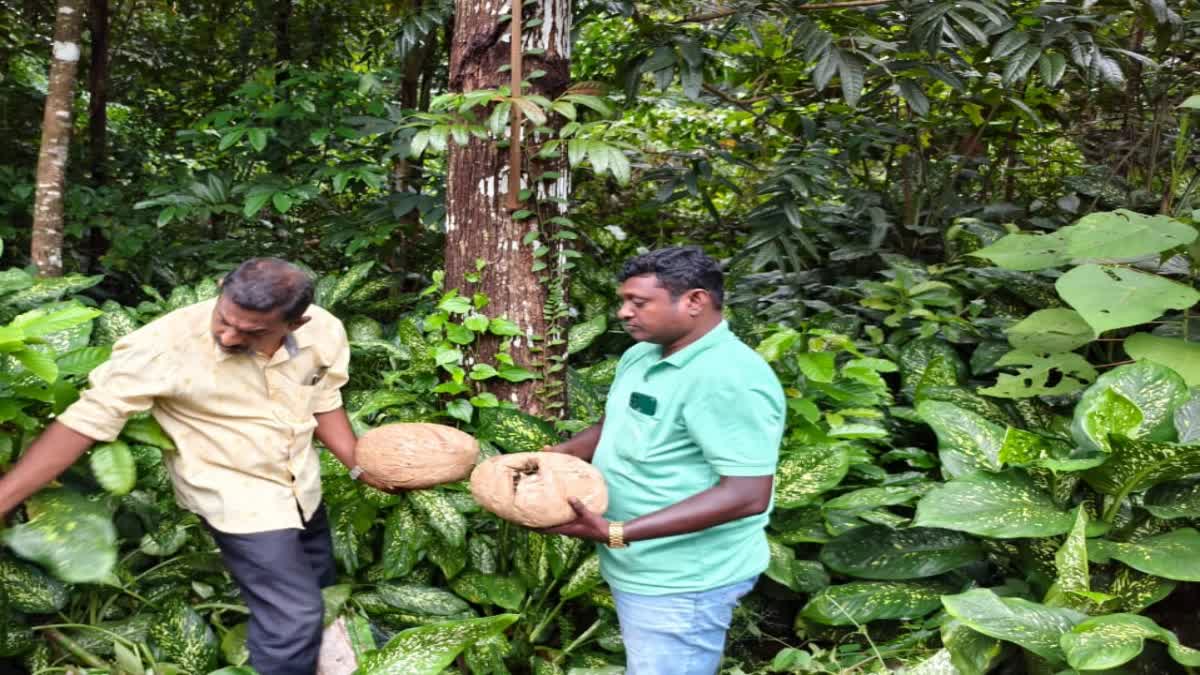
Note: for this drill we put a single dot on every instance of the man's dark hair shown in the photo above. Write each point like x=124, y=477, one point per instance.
x=679, y=269
x=269, y=284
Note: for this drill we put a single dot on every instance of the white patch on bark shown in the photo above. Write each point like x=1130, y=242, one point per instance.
x=66, y=10
x=66, y=51
x=487, y=185
x=63, y=114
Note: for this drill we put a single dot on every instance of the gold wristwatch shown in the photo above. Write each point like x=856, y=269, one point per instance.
x=616, y=535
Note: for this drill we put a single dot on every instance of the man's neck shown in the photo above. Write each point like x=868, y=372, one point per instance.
x=702, y=328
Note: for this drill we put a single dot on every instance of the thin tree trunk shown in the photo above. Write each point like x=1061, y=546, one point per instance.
x=283, y=41
x=98, y=19
x=47, y=246
x=478, y=224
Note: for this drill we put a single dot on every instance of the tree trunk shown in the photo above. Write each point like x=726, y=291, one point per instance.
x=479, y=224
x=47, y=247
x=283, y=40
x=98, y=114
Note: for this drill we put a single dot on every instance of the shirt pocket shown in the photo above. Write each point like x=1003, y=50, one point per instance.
x=638, y=434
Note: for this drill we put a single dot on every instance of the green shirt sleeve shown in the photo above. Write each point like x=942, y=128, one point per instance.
x=738, y=423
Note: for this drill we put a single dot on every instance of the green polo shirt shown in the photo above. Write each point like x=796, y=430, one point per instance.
x=672, y=428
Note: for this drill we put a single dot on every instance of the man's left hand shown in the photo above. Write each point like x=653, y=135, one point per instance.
x=587, y=524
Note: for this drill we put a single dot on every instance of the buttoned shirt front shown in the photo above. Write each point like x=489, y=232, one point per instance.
x=242, y=424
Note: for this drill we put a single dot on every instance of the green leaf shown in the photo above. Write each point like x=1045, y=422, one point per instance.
x=851, y=71
x=428, y=650
x=282, y=201
x=68, y=535
x=876, y=552
x=1105, y=642
x=861, y=602
x=1187, y=418
x=971, y=652
x=1071, y=562
x=39, y=363
x=82, y=361
x=583, y=579
x=146, y=430
x=460, y=409
x=515, y=373
x=39, y=323
x=582, y=335
x=1052, y=66
x=254, y=202
x=1174, y=555
x=113, y=466
x=258, y=138
x=816, y=366
x=1134, y=466
x=1178, y=499
x=1179, y=355
x=1050, y=330
x=441, y=515
x=966, y=441
x=459, y=334
x=1003, y=506
x=1111, y=297
x=1022, y=448
x=1041, y=375
x=1033, y=626
x=806, y=472
x=876, y=497
x=503, y=327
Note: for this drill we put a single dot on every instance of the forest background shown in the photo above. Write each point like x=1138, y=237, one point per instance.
x=962, y=232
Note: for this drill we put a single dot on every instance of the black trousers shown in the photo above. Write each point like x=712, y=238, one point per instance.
x=280, y=574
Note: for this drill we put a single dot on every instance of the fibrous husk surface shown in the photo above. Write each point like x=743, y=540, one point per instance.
x=413, y=456
x=531, y=488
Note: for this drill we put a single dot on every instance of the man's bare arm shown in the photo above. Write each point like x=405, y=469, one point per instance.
x=48, y=456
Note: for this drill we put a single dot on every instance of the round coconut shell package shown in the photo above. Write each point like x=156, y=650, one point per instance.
x=414, y=456
x=531, y=488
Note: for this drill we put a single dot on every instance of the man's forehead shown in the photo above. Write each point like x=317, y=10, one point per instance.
x=244, y=319
x=642, y=284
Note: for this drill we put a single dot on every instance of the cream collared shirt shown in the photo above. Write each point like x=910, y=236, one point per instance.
x=242, y=424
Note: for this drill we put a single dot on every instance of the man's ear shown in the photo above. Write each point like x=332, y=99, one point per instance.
x=295, y=325
x=697, y=300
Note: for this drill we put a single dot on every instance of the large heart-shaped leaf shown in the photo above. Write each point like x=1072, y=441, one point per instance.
x=1136, y=591
x=1003, y=505
x=1134, y=466
x=1174, y=555
x=1154, y=390
x=966, y=441
x=1109, y=297
x=876, y=552
x=429, y=649
x=1071, y=561
x=1177, y=499
x=808, y=471
x=185, y=638
x=1109, y=641
x=862, y=602
x=875, y=497
x=68, y=535
x=1023, y=448
x=1109, y=235
x=1050, y=330
x=441, y=515
x=1178, y=354
x=1035, y=627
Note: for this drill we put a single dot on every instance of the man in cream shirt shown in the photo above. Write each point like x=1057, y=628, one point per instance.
x=241, y=383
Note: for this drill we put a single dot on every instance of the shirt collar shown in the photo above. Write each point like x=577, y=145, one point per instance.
x=684, y=356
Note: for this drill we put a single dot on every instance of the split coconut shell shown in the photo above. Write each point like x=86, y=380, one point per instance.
x=417, y=455
x=531, y=488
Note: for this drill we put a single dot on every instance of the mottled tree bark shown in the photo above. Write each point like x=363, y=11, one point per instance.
x=47, y=246
x=478, y=224
x=98, y=21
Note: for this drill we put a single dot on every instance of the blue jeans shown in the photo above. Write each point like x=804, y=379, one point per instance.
x=679, y=634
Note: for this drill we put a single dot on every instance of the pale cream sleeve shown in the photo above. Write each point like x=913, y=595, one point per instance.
x=137, y=373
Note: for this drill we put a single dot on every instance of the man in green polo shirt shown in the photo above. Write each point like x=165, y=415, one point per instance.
x=688, y=446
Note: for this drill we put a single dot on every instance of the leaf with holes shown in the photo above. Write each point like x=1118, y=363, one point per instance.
x=1050, y=330
x=1040, y=375
x=1111, y=297
x=1002, y=505
x=877, y=552
x=1035, y=627
x=860, y=602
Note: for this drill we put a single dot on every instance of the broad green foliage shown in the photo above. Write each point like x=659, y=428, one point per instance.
x=71, y=536
x=1035, y=627
x=429, y=649
x=1002, y=505
x=1178, y=355
x=865, y=601
x=875, y=552
x=1113, y=640
x=1109, y=297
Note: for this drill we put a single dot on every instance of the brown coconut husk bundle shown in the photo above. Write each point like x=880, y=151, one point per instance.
x=531, y=488
x=413, y=456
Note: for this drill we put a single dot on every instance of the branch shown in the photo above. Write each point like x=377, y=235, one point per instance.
x=810, y=7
